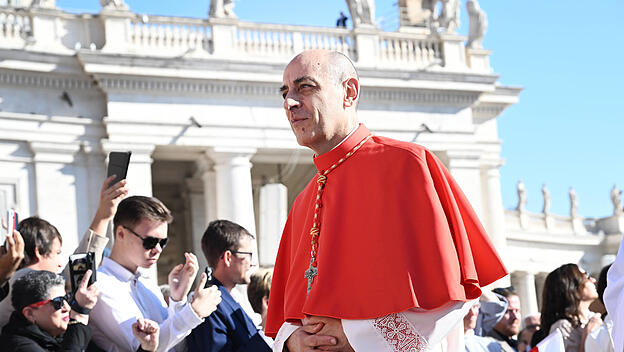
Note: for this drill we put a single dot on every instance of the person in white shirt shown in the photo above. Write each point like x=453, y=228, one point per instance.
x=140, y=228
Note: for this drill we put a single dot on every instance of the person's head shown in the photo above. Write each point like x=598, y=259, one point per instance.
x=532, y=322
x=140, y=227
x=524, y=340
x=321, y=90
x=228, y=247
x=41, y=299
x=258, y=291
x=509, y=325
x=565, y=289
x=470, y=319
x=42, y=245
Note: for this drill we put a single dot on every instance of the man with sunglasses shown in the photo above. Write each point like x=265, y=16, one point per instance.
x=140, y=228
x=228, y=250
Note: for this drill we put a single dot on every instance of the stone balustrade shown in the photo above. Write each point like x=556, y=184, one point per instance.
x=124, y=32
x=15, y=27
x=169, y=34
x=418, y=51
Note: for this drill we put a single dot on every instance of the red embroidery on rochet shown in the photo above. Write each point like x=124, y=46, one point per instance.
x=399, y=333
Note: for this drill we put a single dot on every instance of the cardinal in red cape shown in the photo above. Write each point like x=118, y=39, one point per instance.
x=381, y=250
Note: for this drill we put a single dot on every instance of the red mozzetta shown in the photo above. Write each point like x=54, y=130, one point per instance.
x=396, y=232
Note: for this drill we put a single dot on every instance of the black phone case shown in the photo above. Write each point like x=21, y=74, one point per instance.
x=118, y=165
x=78, y=268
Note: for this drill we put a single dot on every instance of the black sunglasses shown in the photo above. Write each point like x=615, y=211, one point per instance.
x=149, y=242
x=57, y=302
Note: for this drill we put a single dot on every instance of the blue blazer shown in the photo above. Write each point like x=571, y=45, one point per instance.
x=229, y=328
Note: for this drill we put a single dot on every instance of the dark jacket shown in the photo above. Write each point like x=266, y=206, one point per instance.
x=229, y=328
x=20, y=335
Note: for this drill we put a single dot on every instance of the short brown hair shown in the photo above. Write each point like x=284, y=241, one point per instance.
x=38, y=234
x=259, y=287
x=220, y=236
x=136, y=208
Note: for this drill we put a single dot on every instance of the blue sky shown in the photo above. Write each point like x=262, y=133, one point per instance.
x=568, y=55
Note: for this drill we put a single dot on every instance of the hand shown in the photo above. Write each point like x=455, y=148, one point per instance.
x=593, y=323
x=85, y=296
x=110, y=197
x=305, y=338
x=11, y=255
x=331, y=327
x=205, y=300
x=147, y=332
x=181, y=277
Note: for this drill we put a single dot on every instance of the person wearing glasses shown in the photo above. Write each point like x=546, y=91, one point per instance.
x=140, y=228
x=43, y=319
x=228, y=250
x=43, y=242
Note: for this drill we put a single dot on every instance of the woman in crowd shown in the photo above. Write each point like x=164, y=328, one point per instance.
x=566, y=297
x=43, y=319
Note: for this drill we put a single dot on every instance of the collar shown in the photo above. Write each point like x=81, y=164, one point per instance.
x=324, y=161
x=119, y=272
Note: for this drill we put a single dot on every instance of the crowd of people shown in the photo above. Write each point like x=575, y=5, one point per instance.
x=381, y=252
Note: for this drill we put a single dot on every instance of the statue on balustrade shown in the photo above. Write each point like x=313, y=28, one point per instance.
x=522, y=197
x=448, y=20
x=48, y=4
x=478, y=25
x=573, y=203
x=616, y=199
x=114, y=5
x=362, y=12
x=546, y=195
x=416, y=13
x=222, y=9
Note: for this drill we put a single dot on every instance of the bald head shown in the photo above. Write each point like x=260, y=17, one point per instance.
x=335, y=65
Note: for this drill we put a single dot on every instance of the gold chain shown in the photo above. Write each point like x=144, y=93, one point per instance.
x=315, y=231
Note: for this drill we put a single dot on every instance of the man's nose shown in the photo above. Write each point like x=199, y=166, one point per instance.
x=291, y=102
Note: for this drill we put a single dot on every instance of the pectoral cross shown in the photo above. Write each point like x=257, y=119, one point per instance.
x=310, y=274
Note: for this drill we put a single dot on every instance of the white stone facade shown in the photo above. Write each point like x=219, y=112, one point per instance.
x=197, y=103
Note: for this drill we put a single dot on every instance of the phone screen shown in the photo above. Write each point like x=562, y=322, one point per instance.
x=78, y=266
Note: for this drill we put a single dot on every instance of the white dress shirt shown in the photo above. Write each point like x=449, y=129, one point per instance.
x=125, y=297
x=414, y=330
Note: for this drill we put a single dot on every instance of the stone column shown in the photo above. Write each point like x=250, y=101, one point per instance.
x=493, y=206
x=273, y=214
x=195, y=195
x=234, y=198
x=524, y=284
x=139, y=175
x=466, y=171
x=55, y=188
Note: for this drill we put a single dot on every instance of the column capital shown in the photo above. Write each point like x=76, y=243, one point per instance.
x=231, y=156
x=54, y=152
x=141, y=153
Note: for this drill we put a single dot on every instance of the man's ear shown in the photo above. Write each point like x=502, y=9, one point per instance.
x=38, y=255
x=352, y=92
x=227, y=258
x=265, y=303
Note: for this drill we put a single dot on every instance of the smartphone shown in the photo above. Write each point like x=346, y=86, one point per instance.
x=208, y=272
x=118, y=165
x=12, y=220
x=78, y=265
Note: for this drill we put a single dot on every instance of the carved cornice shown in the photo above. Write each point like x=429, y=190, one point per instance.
x=418, y=96
x=42, y=80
